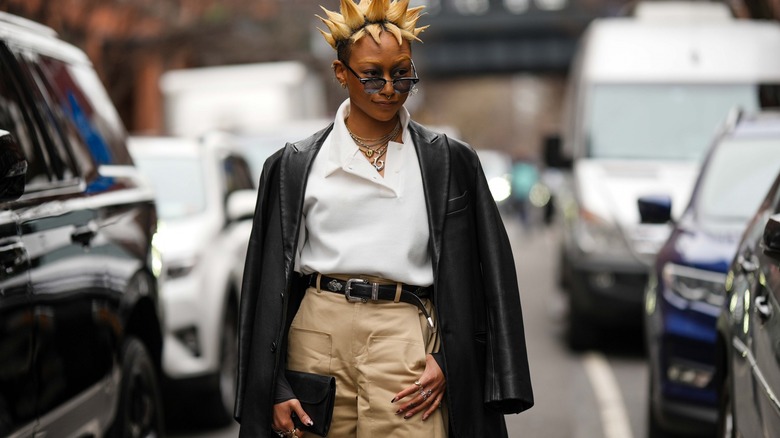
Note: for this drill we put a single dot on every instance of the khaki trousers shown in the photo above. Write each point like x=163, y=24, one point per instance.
x=374, y=350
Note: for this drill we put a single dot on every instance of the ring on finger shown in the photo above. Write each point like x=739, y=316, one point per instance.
x=419, y=385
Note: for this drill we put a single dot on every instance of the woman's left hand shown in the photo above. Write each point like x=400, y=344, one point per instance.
x=426, y=394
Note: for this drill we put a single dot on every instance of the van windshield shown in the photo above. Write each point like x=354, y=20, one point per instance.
x=661, y=121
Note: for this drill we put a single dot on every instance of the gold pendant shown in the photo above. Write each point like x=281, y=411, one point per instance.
x=369, y=152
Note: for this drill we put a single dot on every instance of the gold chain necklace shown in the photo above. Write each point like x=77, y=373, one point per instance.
x=373, y=142
x=377, y=146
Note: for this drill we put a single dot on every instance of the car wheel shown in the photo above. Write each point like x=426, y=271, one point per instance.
x=654, y=427
x=726, y=419
x=139, y=413
x=224, y=394
x=581, y=334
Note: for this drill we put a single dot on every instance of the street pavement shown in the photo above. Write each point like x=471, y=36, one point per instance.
x=598, y=394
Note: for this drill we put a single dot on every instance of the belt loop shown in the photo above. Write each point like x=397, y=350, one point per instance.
x=318, y=283
x=397, y=292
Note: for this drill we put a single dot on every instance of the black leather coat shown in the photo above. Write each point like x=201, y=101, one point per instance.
x=475, y=287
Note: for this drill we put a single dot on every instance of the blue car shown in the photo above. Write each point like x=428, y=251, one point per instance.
x=685, y=289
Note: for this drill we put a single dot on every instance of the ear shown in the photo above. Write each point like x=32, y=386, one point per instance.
x=340, y=71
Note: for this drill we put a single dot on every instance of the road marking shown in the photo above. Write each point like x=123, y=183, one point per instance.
x=614, y=417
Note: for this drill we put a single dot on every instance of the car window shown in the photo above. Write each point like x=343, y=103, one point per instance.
x=92, y=111
x=56, y=83
x=16, y=119
x=178, y=184
x=63, y=163
x=238, y=175
x=737, y=177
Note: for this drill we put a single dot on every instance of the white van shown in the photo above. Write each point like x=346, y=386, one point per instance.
x=646, y=95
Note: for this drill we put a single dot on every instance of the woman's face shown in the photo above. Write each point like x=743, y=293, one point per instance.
x=387, y=60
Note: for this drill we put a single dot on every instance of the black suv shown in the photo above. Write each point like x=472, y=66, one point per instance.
x=80, y=328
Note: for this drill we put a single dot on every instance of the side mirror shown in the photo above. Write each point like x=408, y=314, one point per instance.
x=771, y=236
x=241, y=205
x=655, y=209
x=553, y=157
x=13, y=168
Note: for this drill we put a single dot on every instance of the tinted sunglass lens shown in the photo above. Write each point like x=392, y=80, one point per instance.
x=373, y=86
x=403, y=85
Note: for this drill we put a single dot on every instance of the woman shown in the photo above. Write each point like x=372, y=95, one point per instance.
x=376, y=205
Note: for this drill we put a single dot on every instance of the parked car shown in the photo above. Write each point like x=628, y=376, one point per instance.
x=646, y=94
x=205, y=197
x=748, y=329
x=685, y=290
x=260, y=145
x=80, y=321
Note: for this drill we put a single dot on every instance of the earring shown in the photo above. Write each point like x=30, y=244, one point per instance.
x=343, y=85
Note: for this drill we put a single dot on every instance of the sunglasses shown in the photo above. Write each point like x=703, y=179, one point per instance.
x=375, y=85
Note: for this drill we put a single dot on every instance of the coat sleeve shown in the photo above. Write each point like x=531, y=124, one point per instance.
x=250, y=283
x=507, y=379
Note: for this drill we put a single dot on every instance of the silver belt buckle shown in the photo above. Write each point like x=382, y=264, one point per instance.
x=348, y=290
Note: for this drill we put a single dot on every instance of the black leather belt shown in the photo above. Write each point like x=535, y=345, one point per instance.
x=360, y=290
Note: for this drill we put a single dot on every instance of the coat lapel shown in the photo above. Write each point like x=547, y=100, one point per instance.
x=433, y=155
x=296, y=163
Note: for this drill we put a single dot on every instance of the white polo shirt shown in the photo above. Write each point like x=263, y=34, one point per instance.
x=357, y=222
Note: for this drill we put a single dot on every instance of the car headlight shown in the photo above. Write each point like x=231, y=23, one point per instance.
x=155, y=256
x=596, y=235
x=500, y=188
x=694, y=285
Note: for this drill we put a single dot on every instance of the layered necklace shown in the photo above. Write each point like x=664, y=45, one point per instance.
x=375, y=148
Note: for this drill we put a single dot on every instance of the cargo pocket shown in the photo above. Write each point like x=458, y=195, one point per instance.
x=392, y=364
x=309, y=351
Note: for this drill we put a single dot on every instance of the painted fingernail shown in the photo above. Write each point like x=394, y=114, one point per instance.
x=393, y=400
x=407, y=416
x=398, y=411
x=310, y=422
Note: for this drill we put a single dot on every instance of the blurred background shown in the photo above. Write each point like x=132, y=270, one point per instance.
x=494, y=73
x=497, y=63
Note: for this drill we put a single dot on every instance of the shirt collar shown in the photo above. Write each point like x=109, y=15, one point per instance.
x=342, y=148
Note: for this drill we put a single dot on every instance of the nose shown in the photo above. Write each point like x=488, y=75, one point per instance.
x=388, y=91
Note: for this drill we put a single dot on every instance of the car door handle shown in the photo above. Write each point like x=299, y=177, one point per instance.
x=763, y=307
x=12, y=256
x=84, y=234
x=747, y=265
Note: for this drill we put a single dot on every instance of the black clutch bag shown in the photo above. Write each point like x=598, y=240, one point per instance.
x=317, y=394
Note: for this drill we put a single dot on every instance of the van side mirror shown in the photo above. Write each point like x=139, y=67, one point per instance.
x=656, y=209
x=769, y=95
x=553, y=156
x=771, y=236
x=13, y=168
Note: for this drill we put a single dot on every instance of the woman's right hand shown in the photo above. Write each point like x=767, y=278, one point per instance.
x=283, y=423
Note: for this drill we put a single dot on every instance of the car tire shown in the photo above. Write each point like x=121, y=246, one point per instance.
x=581, y=334
x=727, y=425
x=140, y=411
x=223, y=394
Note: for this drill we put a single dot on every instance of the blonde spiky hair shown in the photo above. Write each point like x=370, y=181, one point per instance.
x=370, y=17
